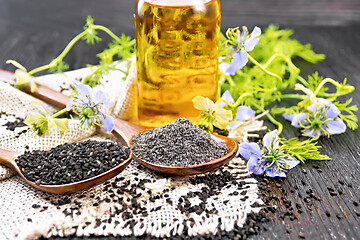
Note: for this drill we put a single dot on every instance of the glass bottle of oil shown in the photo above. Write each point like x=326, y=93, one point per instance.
x=177, y=57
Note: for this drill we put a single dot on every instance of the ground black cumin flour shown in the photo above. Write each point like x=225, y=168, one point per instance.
x=180, y=143
x=73, y=162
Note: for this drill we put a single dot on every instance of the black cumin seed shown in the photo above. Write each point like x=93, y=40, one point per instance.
x=302, y=235
x=73, y=162
x=357, y=213
x=15, y=124
x=327, y=213
x=180, y=143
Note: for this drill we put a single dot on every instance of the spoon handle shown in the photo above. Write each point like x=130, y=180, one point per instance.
x=48, y=95
x=125, y=130
x=43, y=93
x=7, y=158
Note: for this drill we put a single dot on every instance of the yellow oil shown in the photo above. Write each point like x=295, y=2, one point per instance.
x=177, y=57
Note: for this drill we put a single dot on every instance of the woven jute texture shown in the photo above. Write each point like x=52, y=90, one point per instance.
x=138, y=201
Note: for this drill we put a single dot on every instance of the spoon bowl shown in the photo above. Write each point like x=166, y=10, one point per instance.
x=200, y=168
x=8, y=158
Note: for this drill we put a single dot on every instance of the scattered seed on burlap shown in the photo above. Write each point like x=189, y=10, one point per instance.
x=213, y=182
x=180, y=143
x=73, y=162
x=14, y=124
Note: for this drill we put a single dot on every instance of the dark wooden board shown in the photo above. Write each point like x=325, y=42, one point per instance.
x=33, y=32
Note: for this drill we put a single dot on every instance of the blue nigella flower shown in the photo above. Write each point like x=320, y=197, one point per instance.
x=322, y=119
x=271, y=159
x=87, y=105
x=245, y=43
x=243, y=113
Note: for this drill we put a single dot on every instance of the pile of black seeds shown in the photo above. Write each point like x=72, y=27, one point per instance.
x=12, y=125
x=73, y=162
x=180, y=143
x=15, y=124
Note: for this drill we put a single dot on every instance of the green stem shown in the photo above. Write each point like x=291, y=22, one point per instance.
x=111, y=34
x=335, y=83
x=61, y=56
x=70, y=45
x=221, y=81
x=218, y=91
x=108, y=31
x=120, y=70
x=262, y=68
x=222, y=100
x=272, y=59
x=287, y=60
x=303, y=81
x=274, y=121
x=293, y=96
x=230, y=81
x=59, y=113
x=111, y=68
x=237, y=103
x=271, y=118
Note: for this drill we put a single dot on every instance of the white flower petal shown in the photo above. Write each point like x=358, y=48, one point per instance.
x=253, y=166
x=244, y=113
x=291, y=162
x=227, y=97
x=256, y=32
x=269, y=172
x=271, y=140
x=85, y=92
x=335, y=126
x=246, y=150
x=251, y=43
x=203, y=103
x=298, y=118
x=224, y=68
x=235, y=125
x=289, y=117
x=101, y=98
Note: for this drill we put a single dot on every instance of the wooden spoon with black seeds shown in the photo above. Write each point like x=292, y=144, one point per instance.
x=9, y=159
x=125, y=131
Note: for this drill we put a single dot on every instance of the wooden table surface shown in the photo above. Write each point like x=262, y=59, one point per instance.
x=33, y=32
